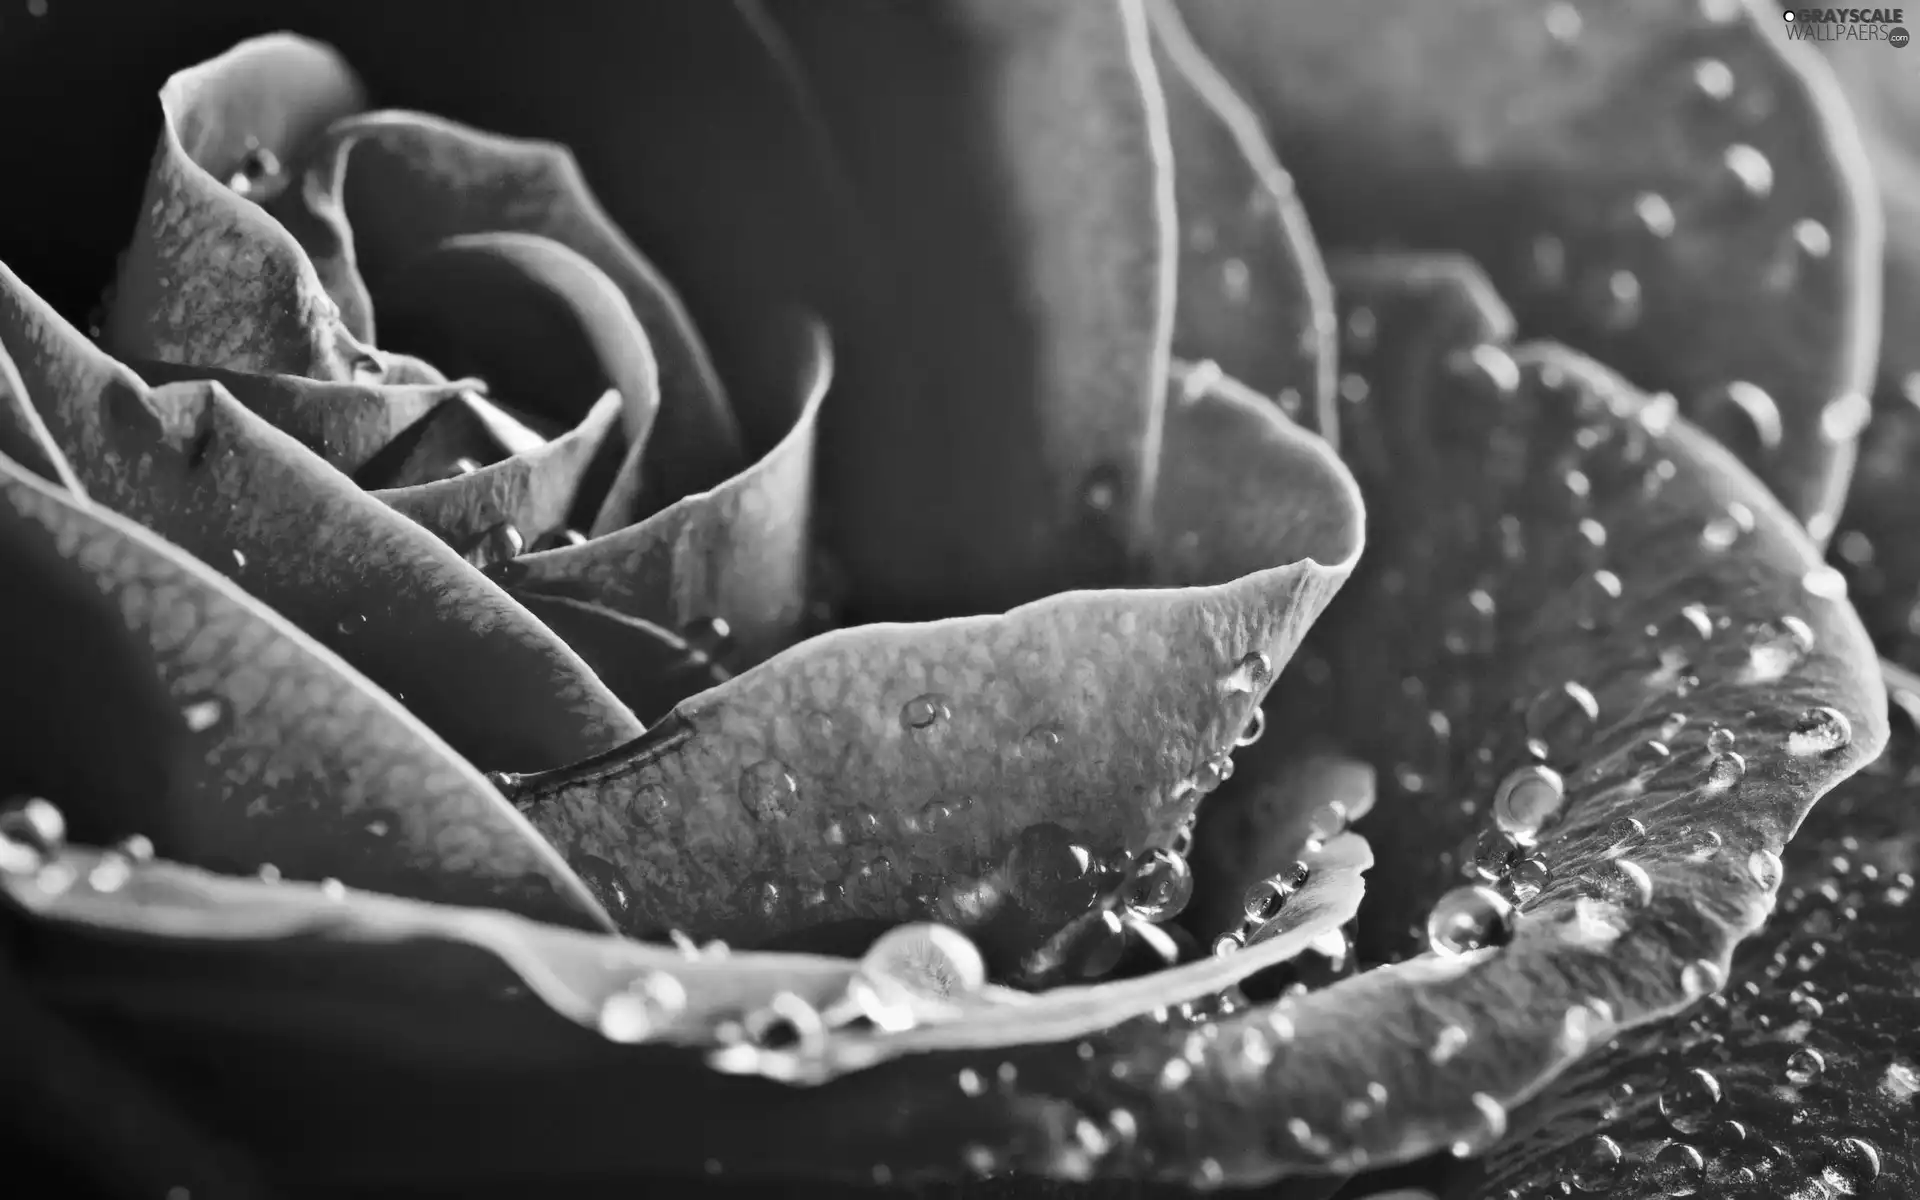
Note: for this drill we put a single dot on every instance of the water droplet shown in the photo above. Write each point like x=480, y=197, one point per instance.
x=926, y=960
x=1560, y=718
x=1626, y=830
x=1227, y=943
x=1690, y=1101
x=202, y=715
x=1598, y=1167
x=1765, y=867
x=1448, y=1043
x=1265, y=899
x=1469, y=918
x=1700, y=978
x=1804, y=1066
x=1825, y=582
x=1326, y=822
x=1101, y=491
x=1161, y=886
x=35, y=824
x=1751, y=170
x=636, y=1014
x=1050, y=874
x=1526, y=800
x=258, y=168
x=1819, y=731
x=1678, y=1169
x=1620, y=305
x=768, y=790
x=1528, y=878
x=923, y=712
x=1713, y=79
x=1842, y=420
x=603, y=879
x=1491, y=1125
x=1622, y=881
x=1723, y=771
x=1654, y=214
x=1255, y=730
x=1250, y=674
x=110, y=872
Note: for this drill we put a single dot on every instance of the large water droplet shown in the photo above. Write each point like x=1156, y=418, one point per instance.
x=926, y=960
x=1598, y=1167
x=1051, y=875
x=1713, y=79
x=1250, y=674
x=1678, y=1169
x=924, y=712
x=1690, y=1102
x=1528, y=878
x=1805, y=1066
x=1751, y=170
x=1469, y=918
x=1819, y=731
x=1161, y=886
x=1494, y=854
x=500, y=543
x=1700, y=978
x=768, y=790
x=1622, y=881
x=1526, y=801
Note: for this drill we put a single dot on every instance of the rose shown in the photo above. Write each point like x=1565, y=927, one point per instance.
x=1634, y=921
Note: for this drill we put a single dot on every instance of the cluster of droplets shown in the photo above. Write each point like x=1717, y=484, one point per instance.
x=33, y=835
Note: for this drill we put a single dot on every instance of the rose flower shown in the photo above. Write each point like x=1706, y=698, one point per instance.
x=1003, y=597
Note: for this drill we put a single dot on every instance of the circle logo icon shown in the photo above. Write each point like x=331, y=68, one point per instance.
x=1897, y=36
x=1788, y=14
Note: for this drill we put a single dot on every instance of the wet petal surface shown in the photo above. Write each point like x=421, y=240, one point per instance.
x=1521, y=139
x=219, y=482
x=982, y=771
x=291, y=760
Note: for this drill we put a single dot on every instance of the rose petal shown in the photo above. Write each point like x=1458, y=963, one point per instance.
x=737, y=553
x=346, y=424
x=384, y=188
x=534, y=492
x=1252, y=295
x=210, y=278
x=999, y=434
x=984, y=770
x=1738, y=250
x=24, y=437
x=295, y=759
x=1801, y=1075
x=1884, y=98
x=465, y=430
x=649, y=668
x=225, y=486
x=1876, y=550
x=1261, y=828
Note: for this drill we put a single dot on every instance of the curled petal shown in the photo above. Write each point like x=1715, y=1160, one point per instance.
x=1732, y=260
x=279, y=754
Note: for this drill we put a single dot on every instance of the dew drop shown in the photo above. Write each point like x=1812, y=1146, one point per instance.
x=1690, y=1102
x=1622, y=881
x=1255, y=730
x=1491, y=1125
x=1751, y=170
x=1529, y=877
x=1526, y=801
x=1447, y=1044
x=636, y=1014
x=110, y=873
x=1265, y=899
x=1250, y=674
x=1469, y=918
x=926, y=960
x=768, y=790
x=1825, y=582
x=1050, y=874
x=1654, y=213
x=1819, y=731
x=1161, y=887
x=258, y=168
x=1678, y=1169
x=1723, y=771
x=1812, y=237
x=1598, y=1167
x=1621, y=304
x=924, y=712
x=35, y=824
x=1713, y=79
x=1804, y=1066
x=1765, y=867
x=1227, y=943
x=202, y=715
x=1494, y=854
x=1561, y=717
x=1700, y=978
x=1489, y=364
